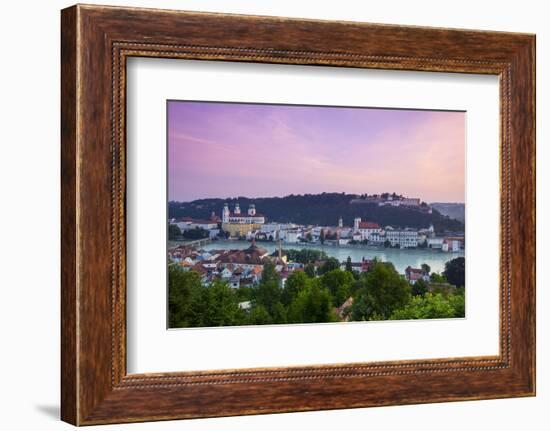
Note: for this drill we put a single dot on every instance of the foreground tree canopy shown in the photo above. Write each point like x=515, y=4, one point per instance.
x=313, y=296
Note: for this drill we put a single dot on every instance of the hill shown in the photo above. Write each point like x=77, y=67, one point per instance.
x=319, y=209
x=453, y=210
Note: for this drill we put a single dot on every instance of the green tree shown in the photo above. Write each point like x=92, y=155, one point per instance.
x=269, y=272
x=259, y=316
x=420, y=288
x=174, y=232
x=322, y=236
x=192, y=304
x=382, y=291
x=295, y=283
x=312, y=305
x=437, y=278
x=454, y=271
x=183, y=287
x=458, y=302
x=425, y=268
x=196, y=233
x=349, y=268
x=309, y=269
x=221, y=307
x=268, y=292
x=338, y=283
x=305, y=255
x=330, y=264
x=425, y=307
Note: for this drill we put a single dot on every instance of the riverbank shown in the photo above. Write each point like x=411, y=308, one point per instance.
x=401, y=258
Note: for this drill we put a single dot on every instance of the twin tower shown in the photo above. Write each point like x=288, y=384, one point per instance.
x=236, y=212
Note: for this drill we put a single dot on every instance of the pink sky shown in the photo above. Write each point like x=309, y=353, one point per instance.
x=220, y=150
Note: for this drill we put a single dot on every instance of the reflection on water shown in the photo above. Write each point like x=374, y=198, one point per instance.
x=401, y=258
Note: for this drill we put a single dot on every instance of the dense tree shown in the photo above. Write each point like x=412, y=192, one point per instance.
x=454, y=271
x=312, y=305
x=420, y=288
x=429, y=306
x=437, y=278
x=349, y=268
x=259, y=316
x=296, y=282
x=269, y=273
x=183, y=290
x=458, y=302
x=220, y=306
x=426, y=269
x=195, y=233
x=309, y=269
x=192, y=304
x=174, y=232
x=305, y=255
x=329, y=265
x=382, y=291
x=338, y=283
x=322, y=236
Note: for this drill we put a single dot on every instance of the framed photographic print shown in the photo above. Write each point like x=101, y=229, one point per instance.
x=267, y=215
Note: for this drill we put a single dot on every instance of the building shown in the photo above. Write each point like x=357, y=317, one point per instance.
x=414, y=274
x=239, y=224
x=435, y=243
x=247, y=258
x=292, y=235
x=410, y=202
x=186, y=223
x=451, y=244
x=403, y=238
x=365, y=229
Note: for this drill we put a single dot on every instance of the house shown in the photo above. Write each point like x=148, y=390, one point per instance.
x=362, y=266
x=435, y=243
x=452, y=244
x=414, y=274
x=292, y=235
x=403, y=238
x=186, y=223
x=365, y=228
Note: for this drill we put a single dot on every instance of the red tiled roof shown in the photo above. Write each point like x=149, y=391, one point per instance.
x=368, y=225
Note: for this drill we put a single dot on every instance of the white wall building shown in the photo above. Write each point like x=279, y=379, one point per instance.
x=404, y=238
x=435, y=243
x=365, y=228
x=236, y=217
x=292, y=236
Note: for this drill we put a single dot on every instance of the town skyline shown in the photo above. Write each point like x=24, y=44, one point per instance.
x=227, y=150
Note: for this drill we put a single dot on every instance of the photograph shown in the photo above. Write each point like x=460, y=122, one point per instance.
x=302, y=214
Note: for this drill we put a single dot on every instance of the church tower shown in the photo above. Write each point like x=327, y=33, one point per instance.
x=225, y=213
x=356, y=223
x=252, y=210
x=340, y=222
x=237, y=210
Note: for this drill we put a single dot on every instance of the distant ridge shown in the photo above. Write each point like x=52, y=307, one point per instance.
x=322, y=209
x=451, y=209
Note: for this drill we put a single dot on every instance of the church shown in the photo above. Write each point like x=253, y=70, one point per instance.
x=239, y=224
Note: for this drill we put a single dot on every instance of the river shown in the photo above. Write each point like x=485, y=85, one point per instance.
x=401, y=258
